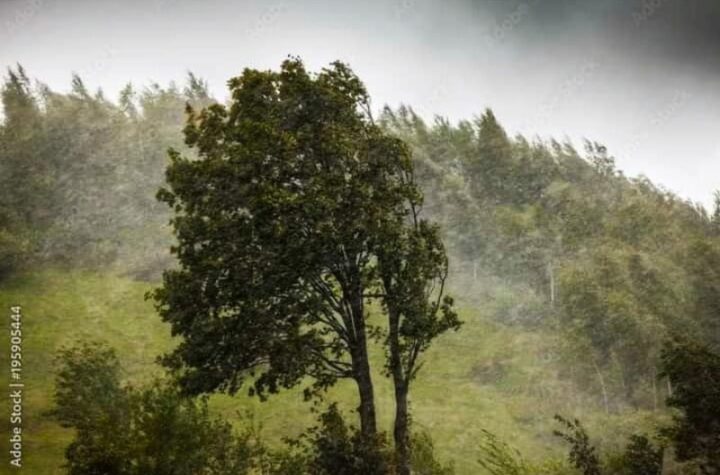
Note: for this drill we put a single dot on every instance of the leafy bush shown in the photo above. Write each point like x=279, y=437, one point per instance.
x=498, y=458
x=334, y=448
x=582, y=455
x=121, y=430
x=422, y=457
x=641, y=457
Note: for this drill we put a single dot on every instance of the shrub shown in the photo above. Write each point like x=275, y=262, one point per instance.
x=121, y=430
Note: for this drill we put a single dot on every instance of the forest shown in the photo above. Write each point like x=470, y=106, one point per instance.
x=291, y=282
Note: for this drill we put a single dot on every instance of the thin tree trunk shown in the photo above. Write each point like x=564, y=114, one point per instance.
x=351, y=283
x=655, y=390
x=368, y=424
x=400, y=432
x=361, y=373
x=401, y=383
x=602, y=386
x=551, y=275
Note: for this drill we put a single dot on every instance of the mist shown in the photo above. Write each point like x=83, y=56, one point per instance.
x=639, y=76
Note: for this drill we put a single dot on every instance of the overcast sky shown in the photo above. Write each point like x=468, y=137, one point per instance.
x=640, y=76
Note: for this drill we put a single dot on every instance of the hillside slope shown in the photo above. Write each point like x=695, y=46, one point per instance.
x=487, y=376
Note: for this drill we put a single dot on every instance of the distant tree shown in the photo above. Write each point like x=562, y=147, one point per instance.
x=438, y=153
x=78, y=173
x=25, y=186
x=694, y=372
x=15, y=242
x=197, y=91
x=616, y=310
x=702, y=260
x=715, y=217
x=490, y=167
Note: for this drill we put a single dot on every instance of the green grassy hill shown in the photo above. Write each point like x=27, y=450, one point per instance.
x=486, y=376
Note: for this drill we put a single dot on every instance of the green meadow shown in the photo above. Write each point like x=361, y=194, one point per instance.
x=486, y=376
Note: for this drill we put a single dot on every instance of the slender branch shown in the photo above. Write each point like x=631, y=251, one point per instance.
x=443, y=278
x=414, y=353
x=328, y=318
x=338, y=368
x=321, y=287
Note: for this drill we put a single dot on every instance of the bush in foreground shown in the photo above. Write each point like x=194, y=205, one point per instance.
x=121, y=430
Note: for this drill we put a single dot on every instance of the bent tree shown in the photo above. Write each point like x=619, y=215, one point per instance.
x=298, y=211
x=413, y=267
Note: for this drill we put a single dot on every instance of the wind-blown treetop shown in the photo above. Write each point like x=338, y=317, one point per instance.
x=299, y=210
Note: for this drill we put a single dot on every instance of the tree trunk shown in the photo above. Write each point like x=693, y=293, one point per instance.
x=655, y=391
x=361, y=363
x=551, y=276
x=401, y=382
x=400, y=431
x=361, y=370
x=602, y=387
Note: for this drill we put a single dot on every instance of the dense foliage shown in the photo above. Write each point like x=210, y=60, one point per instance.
x=618, y=264
x=78, y=173
x=121, y=430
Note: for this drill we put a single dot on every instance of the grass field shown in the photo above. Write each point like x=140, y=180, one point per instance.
x=486, y=376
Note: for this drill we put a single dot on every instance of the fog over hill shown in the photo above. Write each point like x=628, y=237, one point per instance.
x=639, y=76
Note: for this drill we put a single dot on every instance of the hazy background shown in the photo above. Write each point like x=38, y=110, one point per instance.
x=640, y=76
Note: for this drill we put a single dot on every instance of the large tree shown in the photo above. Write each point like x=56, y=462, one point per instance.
x=299, y=211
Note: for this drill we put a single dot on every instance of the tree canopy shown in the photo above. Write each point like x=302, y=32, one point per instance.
x=298, y=213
